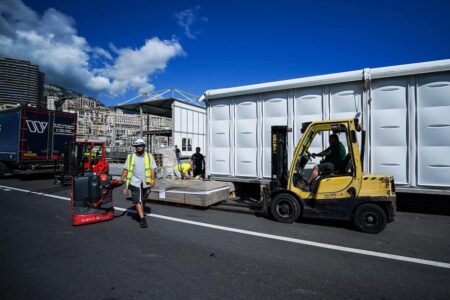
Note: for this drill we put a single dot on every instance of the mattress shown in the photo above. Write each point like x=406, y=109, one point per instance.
x=190, y=192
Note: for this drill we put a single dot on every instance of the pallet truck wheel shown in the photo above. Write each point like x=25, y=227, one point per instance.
x=285, y=208
x=370, y=218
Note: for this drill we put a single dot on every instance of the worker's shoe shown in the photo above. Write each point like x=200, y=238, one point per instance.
x=143, y=223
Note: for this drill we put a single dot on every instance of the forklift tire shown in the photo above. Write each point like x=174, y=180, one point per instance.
x=285, y=208
x=370, y=218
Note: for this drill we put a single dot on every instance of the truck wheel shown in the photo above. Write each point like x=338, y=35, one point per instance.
x=285, y=208
x=370, y=218
x=3, y=169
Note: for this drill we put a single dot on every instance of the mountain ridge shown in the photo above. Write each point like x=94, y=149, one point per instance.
x=59, y=91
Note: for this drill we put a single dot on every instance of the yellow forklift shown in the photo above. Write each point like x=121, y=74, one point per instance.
x=368, y=200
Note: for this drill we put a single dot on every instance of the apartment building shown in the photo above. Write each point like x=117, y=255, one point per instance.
x=22, y=83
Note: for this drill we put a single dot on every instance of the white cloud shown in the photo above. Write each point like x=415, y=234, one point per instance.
x=52, y=42
x=132, y=67
x=102, y=53
x=187, y=18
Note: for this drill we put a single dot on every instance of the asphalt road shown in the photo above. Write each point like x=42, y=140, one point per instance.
x=42, y=256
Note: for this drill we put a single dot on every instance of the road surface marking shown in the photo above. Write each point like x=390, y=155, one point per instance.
x=270, y=236
x=31, y=192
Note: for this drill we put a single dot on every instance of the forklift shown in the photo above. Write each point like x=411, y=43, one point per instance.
x=92, y=185
x=368, y=200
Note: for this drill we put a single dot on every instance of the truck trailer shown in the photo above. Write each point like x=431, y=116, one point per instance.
x=405, y=110
x=32, y=140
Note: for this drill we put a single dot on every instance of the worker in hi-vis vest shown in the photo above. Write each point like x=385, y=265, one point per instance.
x=139, y=174
x=182, y=170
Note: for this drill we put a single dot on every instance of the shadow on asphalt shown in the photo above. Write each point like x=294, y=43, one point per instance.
x=327, y=223
x=423, y=204
x=132, y=214
x=123, y=213
x=35, y=176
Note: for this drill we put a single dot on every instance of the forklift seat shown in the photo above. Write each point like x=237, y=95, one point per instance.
x=344, y=166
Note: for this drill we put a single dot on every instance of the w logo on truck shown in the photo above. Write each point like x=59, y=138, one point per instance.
x=36, y=126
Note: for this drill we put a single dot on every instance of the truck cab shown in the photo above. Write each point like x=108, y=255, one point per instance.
x=342, y=192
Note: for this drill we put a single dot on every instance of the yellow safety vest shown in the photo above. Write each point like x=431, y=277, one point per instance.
x=148, y=159
x=182, y=168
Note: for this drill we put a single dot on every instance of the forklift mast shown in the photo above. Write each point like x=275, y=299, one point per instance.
x=280, y=171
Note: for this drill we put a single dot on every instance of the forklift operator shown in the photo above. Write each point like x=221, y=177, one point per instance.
x=333, y=156
x=139, y=173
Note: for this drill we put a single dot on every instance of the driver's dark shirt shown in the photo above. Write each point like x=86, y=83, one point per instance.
x=335, y=153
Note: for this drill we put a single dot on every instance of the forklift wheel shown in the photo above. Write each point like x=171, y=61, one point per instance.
x=370, y=218
x=285, y=208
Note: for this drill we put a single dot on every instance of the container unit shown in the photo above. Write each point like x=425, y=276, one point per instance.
x=31, y=139
x=405, y=113
x=189, y=127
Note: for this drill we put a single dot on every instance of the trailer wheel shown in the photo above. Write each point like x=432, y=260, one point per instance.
x=285, y=208
x=370, y=218
x=3, y=169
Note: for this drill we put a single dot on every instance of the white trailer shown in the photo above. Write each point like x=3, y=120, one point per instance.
x=406, y=112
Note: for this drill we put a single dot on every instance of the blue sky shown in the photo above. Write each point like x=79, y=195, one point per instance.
x=200, y=45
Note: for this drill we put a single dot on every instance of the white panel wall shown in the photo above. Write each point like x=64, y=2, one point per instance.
x=389, y=128
x=177, y=120
x=308, y=106
x=196, y=121
x=184, y=119
x=433, y=114
x=219, y=148
x=345, y=100
x=345, y=103
x=246, y=140
x=274, y=113
x=188, y=122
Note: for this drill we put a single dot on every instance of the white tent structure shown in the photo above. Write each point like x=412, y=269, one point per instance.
x=187, y=113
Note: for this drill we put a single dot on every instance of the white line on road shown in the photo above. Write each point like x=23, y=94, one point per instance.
x=4, y=187
x=271, y=236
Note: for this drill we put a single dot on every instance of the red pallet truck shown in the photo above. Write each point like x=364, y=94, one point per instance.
x=91, y=183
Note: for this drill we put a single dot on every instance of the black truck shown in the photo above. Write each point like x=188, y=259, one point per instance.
x=32, y=140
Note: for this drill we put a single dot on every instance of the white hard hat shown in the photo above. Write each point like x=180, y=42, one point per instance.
x=138, y=142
